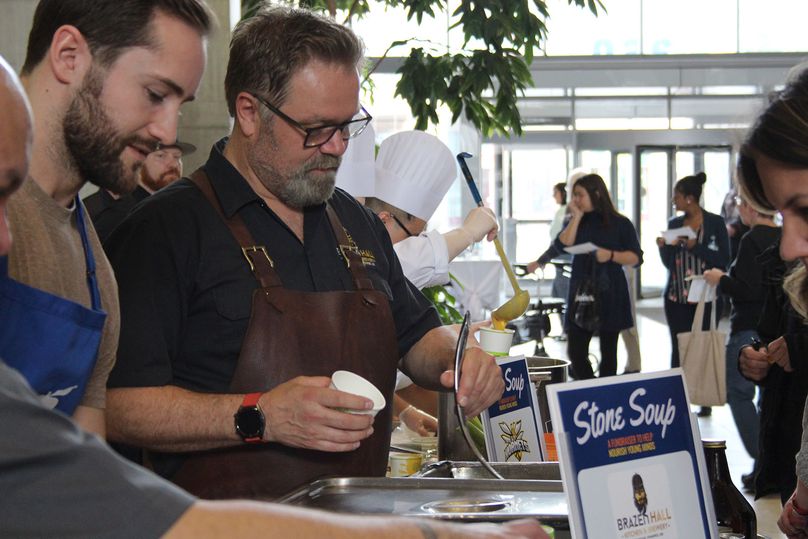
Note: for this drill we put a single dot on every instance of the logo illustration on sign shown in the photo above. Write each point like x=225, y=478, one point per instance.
x=513, y=436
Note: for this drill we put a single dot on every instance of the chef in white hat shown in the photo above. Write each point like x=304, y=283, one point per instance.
x=414, y=170
x=356, y=173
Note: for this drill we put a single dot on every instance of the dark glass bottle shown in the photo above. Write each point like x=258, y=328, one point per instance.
x=732, y=511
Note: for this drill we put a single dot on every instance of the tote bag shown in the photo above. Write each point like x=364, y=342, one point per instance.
x=702, y=358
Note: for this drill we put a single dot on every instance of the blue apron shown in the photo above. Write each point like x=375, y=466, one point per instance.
x=51, y=340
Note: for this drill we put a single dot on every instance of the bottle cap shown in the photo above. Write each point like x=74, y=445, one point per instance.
x=714, y=444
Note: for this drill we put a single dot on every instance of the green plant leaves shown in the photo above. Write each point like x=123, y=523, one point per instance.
x=482, y=83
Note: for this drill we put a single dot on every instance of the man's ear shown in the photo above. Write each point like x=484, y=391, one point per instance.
x=69, y=55
x=247, y=113
x=384, y=216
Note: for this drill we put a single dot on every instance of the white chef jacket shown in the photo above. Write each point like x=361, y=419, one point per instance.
x=424, y=259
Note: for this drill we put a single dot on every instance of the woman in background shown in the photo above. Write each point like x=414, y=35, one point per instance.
x=593, y=218
x=560, y=282
x=687, y=258
x=774, y=172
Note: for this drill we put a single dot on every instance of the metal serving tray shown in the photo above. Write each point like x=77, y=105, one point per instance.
x=449, y=499
x=543, y=471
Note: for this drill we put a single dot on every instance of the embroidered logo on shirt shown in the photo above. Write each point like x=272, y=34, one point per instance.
x=368, y=258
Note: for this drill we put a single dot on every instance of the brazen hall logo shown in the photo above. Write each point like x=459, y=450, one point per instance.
x=513, y=436
x=653, y=520
x=368, y=258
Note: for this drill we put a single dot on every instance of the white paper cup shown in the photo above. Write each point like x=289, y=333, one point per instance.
x=496, y=342
x=356, y=385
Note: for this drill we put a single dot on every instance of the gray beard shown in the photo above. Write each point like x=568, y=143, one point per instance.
x=297, y=189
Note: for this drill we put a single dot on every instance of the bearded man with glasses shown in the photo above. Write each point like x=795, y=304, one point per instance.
x=246, y=286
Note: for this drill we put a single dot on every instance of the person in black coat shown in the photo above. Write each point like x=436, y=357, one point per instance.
x=745, y=286
x=784, y=385
x=594, y=219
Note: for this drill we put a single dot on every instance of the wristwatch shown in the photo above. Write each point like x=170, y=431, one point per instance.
x=249, y=419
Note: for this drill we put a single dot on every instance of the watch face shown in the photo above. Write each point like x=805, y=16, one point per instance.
x=250, y=422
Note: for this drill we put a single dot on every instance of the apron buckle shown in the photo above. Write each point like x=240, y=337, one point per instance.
x=256, y=249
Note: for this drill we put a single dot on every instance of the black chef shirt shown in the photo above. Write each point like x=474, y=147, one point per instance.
x=186, y=288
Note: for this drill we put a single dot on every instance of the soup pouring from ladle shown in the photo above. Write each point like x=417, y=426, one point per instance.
x=518, y=304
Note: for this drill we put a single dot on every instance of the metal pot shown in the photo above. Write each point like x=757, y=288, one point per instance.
x=543, y=371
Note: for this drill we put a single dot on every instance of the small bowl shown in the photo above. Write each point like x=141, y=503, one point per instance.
x=356, y=385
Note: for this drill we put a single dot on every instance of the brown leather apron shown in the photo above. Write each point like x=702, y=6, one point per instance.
x=293, y=333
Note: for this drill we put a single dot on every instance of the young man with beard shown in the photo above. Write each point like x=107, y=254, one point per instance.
x=244, y=288
x=161, y=168
x=106, y=79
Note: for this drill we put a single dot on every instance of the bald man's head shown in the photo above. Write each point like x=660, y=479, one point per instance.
x=15, y=143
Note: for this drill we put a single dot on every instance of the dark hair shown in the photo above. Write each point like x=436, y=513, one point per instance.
x=269, y=48
x=109, y=26
x=691, y=186
x=599, y=196
x=561, y=187
x=780, y=133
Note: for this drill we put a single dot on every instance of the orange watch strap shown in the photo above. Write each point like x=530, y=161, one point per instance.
x=251, y=399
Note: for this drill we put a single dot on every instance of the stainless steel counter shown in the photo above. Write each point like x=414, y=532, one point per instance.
x=450, y=499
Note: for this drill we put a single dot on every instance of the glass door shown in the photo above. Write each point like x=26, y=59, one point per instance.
x=654, y=174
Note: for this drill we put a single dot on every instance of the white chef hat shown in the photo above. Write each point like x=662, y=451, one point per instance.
x=356, y=172
x=413, y=172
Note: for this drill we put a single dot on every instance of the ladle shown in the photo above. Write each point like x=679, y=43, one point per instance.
x=517, y=305
x=460, y=349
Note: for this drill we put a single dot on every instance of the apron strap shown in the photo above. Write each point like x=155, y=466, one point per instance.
x=257, y=256
x=92, y=280
x=352, y=258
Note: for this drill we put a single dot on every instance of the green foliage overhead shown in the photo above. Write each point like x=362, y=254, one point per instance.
x=483, y=82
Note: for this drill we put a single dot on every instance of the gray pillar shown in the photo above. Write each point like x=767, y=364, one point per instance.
x=14, y=26
x=205, y=120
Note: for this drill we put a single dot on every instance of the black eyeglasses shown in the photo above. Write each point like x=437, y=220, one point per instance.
x=317, y=136
x=407, y=230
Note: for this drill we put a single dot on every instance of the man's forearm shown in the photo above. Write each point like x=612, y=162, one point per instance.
x=430, y=357
x=171, y=419
x=213, y=519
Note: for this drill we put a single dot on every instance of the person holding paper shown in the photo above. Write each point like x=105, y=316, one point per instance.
x=774, y=172
x=745, y=287
x=690, y=254
x=594, y=219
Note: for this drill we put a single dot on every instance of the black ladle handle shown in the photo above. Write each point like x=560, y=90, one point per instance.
x=475, y=194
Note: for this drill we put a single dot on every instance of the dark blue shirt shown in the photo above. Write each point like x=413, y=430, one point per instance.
x=616, y=235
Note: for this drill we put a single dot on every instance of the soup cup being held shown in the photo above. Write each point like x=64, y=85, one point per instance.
x=496, y=342
x=349, y=382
